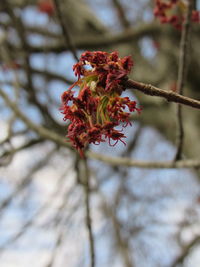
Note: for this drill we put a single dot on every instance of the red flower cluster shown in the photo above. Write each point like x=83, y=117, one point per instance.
x=46, y=6
x=99, y=107
x=172, y=11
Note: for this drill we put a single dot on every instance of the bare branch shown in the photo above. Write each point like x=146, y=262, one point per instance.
x=121, y=14
x=65, y=30
x=41, y=210
x=170, y=96
x=88, y=42
x=182, y=75
x=24, y=182
x=122, y=242
x=186, y=251
x=117, y=161
x=88, y=212
x=47, y=134
x=10, y=153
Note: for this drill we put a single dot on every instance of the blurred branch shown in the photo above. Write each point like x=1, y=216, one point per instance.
x=32, y=96
x=60, y=219
x=65, y=30
x=24, y=182
x=182, y=75
x=123, y=172
x=21, y=30
x=13, y=151
x=87, y=42
x=51, y=75
x=120, y=240
x=41, y=210
x=186, y=251
x=58, y=243
x=39, y=129
x=122, y=161
x=97, y=42
x=58, y=139
x=121, y=14
x=88, y=220
x=45, y=74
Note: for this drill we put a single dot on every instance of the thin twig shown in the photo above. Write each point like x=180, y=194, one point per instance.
x=88, y=213
x=121, y=14
x=60, y=225
x=170, y=96
x=88, y=42
x=65, y=30
x=129, y=162
x=8, y=154
x=122, y=242
x=27, y=179
x=21, y=30
x=182, y=75
x=30, y=222
x=186, y=250
x=19, y=26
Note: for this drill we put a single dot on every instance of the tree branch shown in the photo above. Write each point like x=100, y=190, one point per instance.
x=88, y=42
x=117, y=161
x=186, y=251
x=58, y=139
x=88, y=219
x=182, y=75
x=65, y=30
x=170, y=96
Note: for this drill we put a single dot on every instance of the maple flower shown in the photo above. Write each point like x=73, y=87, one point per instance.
x=99, y=107
x=46, y=6
x=173, y=12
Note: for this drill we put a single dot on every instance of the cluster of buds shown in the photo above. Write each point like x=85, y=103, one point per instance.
x=46, y=6
x=173, y=12
x=98, y=108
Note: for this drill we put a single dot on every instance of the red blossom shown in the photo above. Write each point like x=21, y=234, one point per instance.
x=173, y=12
x=46, y=6
x=127, y=63
x=78, y=69
x=114, y=56
x=116, y=136
x=67, y=96
x=99, y=107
